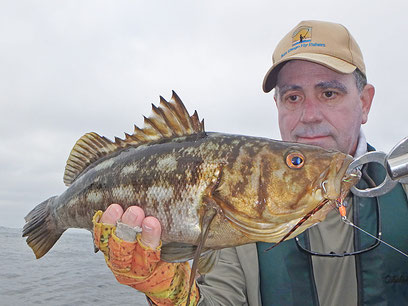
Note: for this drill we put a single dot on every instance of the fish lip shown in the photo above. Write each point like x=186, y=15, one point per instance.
x=338, y=181
x=350, y=179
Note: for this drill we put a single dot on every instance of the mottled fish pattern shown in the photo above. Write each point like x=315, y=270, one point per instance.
x=242, y=188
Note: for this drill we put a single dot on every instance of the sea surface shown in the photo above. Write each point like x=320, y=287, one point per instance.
x=69, y=274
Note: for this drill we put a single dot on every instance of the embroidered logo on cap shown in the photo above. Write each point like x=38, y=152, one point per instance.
x=302, y=40
x=302, y=35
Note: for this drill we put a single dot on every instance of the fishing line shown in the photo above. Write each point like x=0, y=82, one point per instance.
x=348, y=222
x=377, y=240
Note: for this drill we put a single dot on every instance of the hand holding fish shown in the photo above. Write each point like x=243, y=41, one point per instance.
x=134, y=217
x=137, y=263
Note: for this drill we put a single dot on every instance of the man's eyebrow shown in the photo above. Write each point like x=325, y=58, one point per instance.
x=332, y=85
x=283, y=89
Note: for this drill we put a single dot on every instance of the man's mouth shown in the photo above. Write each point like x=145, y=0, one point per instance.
x=316, y=138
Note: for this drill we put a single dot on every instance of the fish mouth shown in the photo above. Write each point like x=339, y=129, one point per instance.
x=333, y=185
x=338, y=180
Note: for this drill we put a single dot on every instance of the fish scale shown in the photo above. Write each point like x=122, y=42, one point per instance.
x=243, y=189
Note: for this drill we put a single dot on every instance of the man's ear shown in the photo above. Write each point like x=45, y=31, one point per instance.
x=366, y=98
x=275, y=95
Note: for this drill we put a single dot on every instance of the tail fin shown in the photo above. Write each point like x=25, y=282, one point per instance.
x=40, y=229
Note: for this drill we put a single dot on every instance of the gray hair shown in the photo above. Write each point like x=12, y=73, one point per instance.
x=361, y=79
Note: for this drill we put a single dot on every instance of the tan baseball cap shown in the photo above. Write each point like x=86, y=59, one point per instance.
x=326, y=43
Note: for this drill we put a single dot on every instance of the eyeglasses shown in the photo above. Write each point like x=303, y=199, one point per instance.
x=373, y=246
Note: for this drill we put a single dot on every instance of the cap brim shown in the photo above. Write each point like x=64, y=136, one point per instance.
x=328, y=61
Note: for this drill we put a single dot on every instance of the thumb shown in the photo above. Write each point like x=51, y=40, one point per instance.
x=151, y=232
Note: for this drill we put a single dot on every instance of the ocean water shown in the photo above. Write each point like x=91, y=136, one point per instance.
x=69, y=274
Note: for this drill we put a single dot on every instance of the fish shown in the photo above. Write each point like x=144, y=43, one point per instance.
x=208, y=190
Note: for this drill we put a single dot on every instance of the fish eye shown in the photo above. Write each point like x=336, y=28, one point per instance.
x=295, y=160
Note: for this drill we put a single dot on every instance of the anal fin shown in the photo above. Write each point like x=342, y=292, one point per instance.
x=177, y=252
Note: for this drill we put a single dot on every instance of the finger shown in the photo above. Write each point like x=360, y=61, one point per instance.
x=151, y=232
x=133, y=216
x=112, y=214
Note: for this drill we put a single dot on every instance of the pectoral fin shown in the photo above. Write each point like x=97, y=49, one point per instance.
x=209, y=214
x=207, y=261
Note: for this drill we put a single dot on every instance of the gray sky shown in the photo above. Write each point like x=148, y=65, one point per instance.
x=71, y=67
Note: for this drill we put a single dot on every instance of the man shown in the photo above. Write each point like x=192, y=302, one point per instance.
x=322, y=98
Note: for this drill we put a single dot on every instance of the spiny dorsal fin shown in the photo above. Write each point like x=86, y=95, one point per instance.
x=170, y=119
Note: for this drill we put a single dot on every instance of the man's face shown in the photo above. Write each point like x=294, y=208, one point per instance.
x=319, y=106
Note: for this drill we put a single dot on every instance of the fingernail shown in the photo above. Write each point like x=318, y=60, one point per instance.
x=147, y=228
x=112, y=211
x=131, y=216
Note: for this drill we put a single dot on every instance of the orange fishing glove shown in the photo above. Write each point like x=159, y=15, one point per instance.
x=140, y=267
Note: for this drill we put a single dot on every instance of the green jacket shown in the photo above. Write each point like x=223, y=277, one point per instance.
x=382, y=273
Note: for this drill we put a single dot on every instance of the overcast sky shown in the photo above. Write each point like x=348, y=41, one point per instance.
x=71, y=67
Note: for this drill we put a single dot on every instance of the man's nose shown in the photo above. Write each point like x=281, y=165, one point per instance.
x=311, y=111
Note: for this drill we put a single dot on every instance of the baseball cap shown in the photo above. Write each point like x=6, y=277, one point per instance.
x=326, y=43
